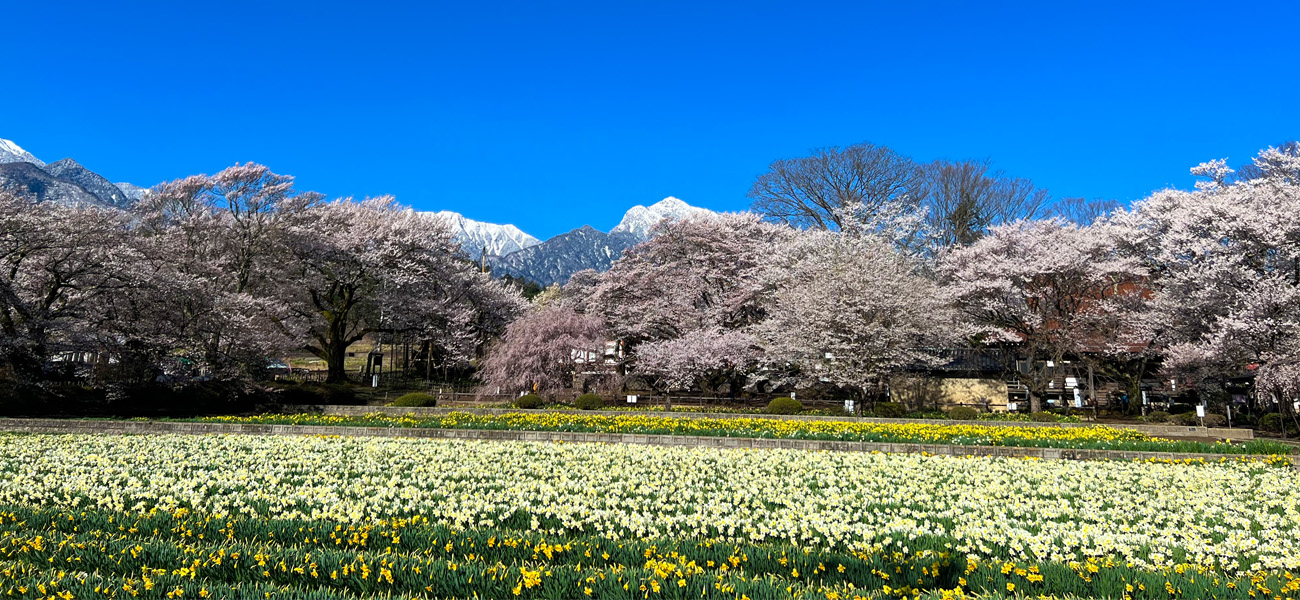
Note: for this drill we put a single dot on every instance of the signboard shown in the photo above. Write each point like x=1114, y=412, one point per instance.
x=631, y=398
x=848, y=405
x=1144, y=397
x=1012, y=406
x=1200, y=410
x=1078, y=398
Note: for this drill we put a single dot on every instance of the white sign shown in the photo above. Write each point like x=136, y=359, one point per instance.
x=848, y=405
x=1200, y=410
x=1144, y=396
x=1012, y=406
x=631, y=398
x=792, y=396
x=1071, y=382
x=374, y=382
x=1078, y=398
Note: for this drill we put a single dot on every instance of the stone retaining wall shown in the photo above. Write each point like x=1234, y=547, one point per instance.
x=1222, y=433
x=70, y=426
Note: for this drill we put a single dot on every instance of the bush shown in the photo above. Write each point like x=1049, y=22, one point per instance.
x=963, y=413
x=1042, y=417
x=889, y=410
x=1216, y=421
x=338, y=393
x=528, y=401
x=1188, y=419
x=589, y=402
x=416, y=399
x=1158, y=416
x=784, y=406
x=1271, y=422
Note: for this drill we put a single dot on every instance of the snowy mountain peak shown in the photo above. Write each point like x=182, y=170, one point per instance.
x=639, y=220
x=12, y=153
x=476, y=236
x=132, y=191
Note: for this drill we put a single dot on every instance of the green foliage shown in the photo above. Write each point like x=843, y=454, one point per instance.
x=1216, y=420
x=963, y=413
x=416, y=399
x=1043, y=417
x=589, y=402
x=784, y=406
x=1158, y=416
x=1271, y=422
x=889, y=410
x=528, y=401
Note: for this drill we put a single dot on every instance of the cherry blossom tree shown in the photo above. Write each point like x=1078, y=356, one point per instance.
x=214, y=251
x=373, y=267
x=1226, y=262
x=1036, y=285
x=59, y=260
x=849, y=309
x=540, y=350
x=699, y=273
x=701, y=358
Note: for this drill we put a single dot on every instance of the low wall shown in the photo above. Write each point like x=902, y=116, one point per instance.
x=71, y=426
x=1222, y=433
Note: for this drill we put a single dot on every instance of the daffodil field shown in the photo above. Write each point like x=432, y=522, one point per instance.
x=313, y=517
x=1091, y=437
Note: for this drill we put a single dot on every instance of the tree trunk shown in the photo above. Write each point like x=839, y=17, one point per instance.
x=1035, y=402
x=335, y=360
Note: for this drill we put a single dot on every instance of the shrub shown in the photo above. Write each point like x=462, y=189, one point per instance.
x=528, y=401
x=1271, y=422
x=589, y=402
x=1158, y=416
x=1188, y=418
x=416, y=399
x=300, y=395
x=338, y=393
x=963, y=413
x=784, y=406
x=1042, y=417
x=890, y=410
x=1216, y=421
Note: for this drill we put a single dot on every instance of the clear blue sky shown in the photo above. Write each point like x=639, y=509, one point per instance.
x=551, y=115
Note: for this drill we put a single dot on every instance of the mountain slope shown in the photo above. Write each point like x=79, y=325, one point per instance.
x=71, y=171
x=554, y=260
x=13, y=153
x=477, y=237
x=27, y=179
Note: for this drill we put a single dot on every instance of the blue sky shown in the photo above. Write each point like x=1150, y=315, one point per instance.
x=554, y=115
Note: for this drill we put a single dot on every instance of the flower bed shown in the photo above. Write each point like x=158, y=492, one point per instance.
x=306, y=517
x=1092, y=437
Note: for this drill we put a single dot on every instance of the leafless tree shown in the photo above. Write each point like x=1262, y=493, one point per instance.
x=966, y=198
x=815, y=191
x=1082, y=211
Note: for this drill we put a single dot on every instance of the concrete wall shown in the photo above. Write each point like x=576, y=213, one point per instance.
x=944, y=393
x=1222, y=433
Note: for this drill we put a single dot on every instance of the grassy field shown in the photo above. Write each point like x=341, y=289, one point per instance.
x=309, y=517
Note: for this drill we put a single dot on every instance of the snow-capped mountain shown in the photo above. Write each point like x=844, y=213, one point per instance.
x=132, y=191
x=554, y=260
x=13, y=153
x=639, y=220
x=65, y=181
x=477, y=237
